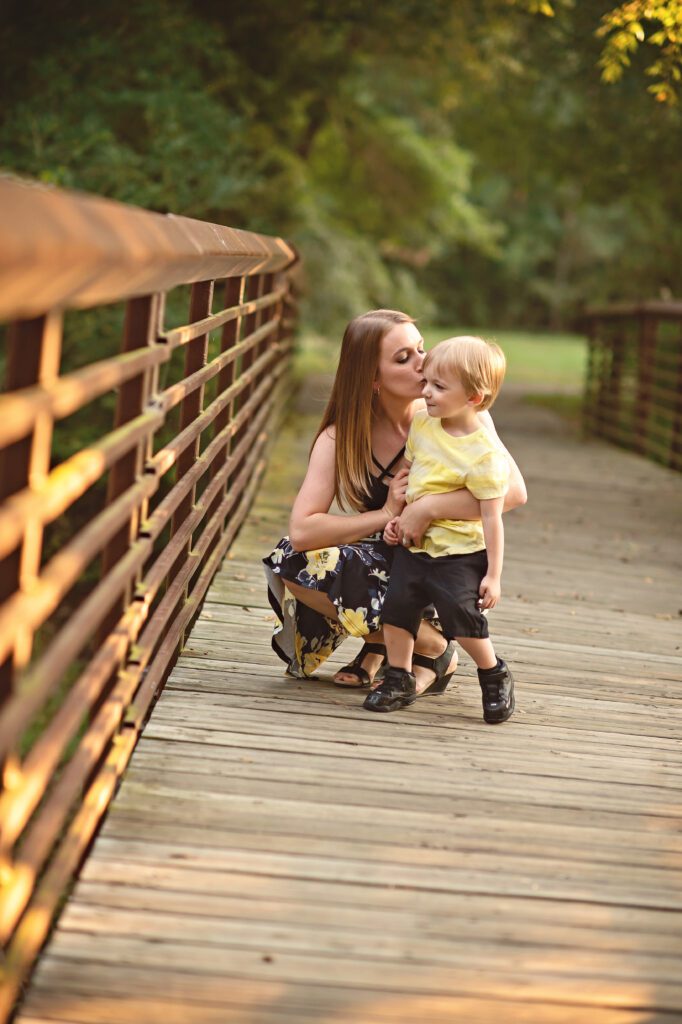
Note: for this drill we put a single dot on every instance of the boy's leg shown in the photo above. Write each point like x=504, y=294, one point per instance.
x=430, y=648
x=480, y=651
x=494, y=678
x=399, y=647
x=398, y=688
x=401, y=615
x=456, y=602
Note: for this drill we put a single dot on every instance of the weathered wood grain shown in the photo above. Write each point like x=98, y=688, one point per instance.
x=277, y=855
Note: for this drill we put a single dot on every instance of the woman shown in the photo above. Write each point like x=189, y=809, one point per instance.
x=335, y=566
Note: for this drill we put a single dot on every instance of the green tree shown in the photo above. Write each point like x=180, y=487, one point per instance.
x=456, y=159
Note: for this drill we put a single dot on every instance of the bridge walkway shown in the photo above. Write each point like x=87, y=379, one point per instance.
x=277, y=855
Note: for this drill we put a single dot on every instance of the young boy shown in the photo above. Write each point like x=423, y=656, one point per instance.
x=458, y=566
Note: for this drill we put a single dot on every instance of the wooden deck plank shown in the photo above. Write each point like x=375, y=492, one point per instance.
x=277, y=855
x=556, y=976
x=248, y=1002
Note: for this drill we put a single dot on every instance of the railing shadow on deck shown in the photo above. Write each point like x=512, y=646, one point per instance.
x=176, y=471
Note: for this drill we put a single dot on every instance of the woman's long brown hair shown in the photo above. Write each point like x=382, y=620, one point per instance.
x=350, y=406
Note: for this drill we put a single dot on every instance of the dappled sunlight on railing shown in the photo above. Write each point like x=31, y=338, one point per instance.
x=155, y=498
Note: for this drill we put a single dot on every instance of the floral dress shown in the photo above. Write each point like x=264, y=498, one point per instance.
x=354, y=577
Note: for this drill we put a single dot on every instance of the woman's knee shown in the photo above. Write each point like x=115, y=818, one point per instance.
x=314, y=599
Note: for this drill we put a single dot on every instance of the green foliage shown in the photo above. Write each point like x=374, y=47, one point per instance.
x=462, y=161
x=641, y=21
x=140, y=129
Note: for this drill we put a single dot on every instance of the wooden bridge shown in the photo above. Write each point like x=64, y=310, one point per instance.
x=275, y=854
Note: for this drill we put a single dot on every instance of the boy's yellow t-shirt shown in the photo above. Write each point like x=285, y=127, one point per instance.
x=440, y=463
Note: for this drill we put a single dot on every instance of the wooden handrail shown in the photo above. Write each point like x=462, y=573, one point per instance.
x=663, y=308
x=70, y=250
x=178, y=464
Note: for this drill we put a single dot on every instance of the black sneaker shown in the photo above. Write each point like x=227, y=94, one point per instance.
x=497, y=690
x=397, y=690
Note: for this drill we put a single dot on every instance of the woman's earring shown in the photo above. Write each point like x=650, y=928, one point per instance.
x=377, y=389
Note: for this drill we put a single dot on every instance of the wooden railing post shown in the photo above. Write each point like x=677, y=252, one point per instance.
x=253, y=289
x=646, y=350
x=196, y=353
x=675, y=452
x=590, y=385
x=608, y=361
x=140, y=330
x=263, y=316
x=234, y=296
x=33, y=356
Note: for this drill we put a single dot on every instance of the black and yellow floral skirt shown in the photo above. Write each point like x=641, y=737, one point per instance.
x=354, y=577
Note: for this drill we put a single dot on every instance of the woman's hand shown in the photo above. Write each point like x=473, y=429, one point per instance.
x=414, y=522
x=395, y=502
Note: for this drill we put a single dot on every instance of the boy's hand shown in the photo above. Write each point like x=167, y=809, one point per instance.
x=391, y=535
x=490, y=590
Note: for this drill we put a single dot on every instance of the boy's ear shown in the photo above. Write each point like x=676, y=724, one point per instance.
x=476, y=398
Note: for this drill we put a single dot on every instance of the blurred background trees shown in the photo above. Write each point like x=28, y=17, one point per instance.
x=465, y=161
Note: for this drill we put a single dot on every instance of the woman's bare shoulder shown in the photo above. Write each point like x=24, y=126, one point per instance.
x=324, y=447
x=326, y=438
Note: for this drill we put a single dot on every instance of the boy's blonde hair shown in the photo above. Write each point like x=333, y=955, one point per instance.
x=479, y=364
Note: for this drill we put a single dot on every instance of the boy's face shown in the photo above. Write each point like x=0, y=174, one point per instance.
x=445, y=395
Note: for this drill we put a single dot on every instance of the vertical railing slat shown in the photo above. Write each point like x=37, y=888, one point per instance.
x=33, y=357
x=196, y=353
x=675, y=454
x=646, y=351
x=233, y=296
x=141, y=328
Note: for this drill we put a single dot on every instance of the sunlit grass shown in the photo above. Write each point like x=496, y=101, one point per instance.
x=551, y=362
x=544, y=362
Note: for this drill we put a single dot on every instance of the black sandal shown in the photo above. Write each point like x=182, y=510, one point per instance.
x=355, y=668
x=440, y=666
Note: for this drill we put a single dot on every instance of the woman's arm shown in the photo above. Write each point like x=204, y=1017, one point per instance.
x=312, y=526
x=516, y=494
x=418, y=516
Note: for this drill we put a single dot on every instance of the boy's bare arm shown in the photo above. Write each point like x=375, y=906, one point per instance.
x=493, y=533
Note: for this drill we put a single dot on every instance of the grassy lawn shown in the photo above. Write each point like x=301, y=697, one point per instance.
x=544, y=363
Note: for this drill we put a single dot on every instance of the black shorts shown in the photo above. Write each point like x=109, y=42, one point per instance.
x=450, y=583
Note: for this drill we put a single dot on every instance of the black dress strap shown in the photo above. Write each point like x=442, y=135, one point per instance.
x=387, y=470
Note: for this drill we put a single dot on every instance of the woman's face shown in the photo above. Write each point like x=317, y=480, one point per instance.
x=401, y=357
